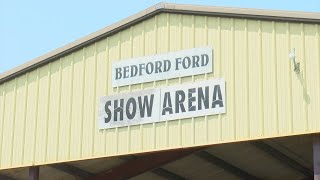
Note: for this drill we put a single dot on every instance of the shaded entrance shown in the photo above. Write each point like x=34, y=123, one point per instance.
x=277, y=158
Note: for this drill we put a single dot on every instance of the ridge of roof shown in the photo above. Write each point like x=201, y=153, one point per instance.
x=262, y=14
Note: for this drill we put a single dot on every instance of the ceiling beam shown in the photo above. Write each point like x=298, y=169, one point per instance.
x=72, y=170
x=167, y=174
x=282, y=158
x=143, y=164
x=225, y=165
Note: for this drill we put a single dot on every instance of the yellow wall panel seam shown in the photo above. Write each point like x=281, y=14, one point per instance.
x=89, y=102
x=119, y=56
x=2, y=121
x=59, y=110
x=82, y=98
x=274, y=55
x=131, y=50
x=219, y=47
x=48, y=109
x=25, y=117
x=261, y=76
x=168, y=31
x=36, y=119
x=144, y=42
x=65, y=108
x=233, y=80
x=77, y=104
x=141, y=137
x=54, y=111
x=101, y=89
x=14, y=119
x=117, y=140
x=95, y=104
x=221, y=41
x=71, y=100
x=247, y=77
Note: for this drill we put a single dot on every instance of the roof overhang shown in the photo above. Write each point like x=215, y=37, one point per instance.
x=277, y=158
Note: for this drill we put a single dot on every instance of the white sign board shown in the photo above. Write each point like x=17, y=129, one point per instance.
x=163, y=104
x=162, y=66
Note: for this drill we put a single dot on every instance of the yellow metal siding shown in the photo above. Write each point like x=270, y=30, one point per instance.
x=214, y=40
x=101, y=89
x=31, y=118
x=312, y=75
x=255, y=105
x=50, y=114
x=2, y=97
x=19, y=123
x=77, y=104
x=65, y=108
x=41, y=130
x=8, y=123
x=241, y=78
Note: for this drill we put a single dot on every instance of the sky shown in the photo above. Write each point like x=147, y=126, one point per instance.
x=29, y=29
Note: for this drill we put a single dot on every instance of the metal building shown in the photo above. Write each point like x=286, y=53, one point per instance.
x=49, y=106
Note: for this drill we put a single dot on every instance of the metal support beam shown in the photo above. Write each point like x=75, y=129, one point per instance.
x=167, y=174
x=143, y=163
x=72, y=170
x=282, y=158
x=316, y=157
x=225, y=165
x=5, y=177
x=34, y=173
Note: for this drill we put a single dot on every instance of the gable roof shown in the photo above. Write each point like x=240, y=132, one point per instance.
x=288, y=16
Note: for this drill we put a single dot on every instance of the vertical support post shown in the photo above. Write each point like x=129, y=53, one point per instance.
x=34, y=173
x=316, y=157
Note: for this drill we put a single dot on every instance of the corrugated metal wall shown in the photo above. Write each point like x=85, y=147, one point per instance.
x=50, y=114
